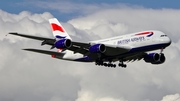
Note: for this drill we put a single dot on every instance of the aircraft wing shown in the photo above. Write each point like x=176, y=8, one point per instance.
x=77, y=47
x=48, y=41
x=59, y=54
x=135, y=57
x=30, y=36
x=83, y=48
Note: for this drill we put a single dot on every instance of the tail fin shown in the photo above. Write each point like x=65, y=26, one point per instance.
x=58, y=30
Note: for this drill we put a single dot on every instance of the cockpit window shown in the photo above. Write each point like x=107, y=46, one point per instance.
x=163, y=35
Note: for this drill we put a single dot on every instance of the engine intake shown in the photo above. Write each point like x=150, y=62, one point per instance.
x=152, y=57
x=97, y=48
x=63, y=43
x=162, y=59
x=155, y=58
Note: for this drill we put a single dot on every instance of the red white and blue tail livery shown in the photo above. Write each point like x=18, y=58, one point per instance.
x=105, y=52
x=58, y=31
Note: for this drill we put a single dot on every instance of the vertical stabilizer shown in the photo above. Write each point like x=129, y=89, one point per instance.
x=58, y=31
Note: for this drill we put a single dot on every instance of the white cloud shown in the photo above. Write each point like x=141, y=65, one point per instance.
x=30, y=76
x=174, y=97
x=89, y=96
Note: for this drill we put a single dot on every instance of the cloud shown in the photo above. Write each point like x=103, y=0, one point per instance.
x=89, y=96
x=174, y=97
x=30, y=76
x=20, y=72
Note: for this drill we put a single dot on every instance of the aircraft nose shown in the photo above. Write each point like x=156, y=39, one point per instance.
x=168, y=40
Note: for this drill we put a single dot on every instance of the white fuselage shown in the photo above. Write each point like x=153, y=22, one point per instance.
x=133, y=40
x=130, y=41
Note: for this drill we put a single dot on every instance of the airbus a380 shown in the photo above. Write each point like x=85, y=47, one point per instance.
x=104, y=52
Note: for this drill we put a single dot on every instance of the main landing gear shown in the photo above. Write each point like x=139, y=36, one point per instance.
x=121, y=64
x=109, y=64
x=101, y=63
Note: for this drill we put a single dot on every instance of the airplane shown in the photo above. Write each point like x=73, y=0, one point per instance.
x=104, y=52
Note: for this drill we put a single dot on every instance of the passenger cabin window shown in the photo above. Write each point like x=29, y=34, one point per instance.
x=163, y=35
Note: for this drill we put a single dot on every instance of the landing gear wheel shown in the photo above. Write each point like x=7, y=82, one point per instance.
x=114, y=65
x=109, y=65
x=101, y=63
x=105, y=64
x=124, y=66
x=121, y=64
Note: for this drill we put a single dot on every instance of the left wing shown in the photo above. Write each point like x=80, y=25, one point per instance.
x=77, y=47
x=30, y=36
x=47, y=41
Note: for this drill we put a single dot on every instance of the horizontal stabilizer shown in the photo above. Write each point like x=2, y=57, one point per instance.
x=46, y=52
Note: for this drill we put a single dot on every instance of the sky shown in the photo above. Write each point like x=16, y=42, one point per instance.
x=16, y=6
x=26, y=76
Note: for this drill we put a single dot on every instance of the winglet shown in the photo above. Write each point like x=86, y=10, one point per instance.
x=58, y=31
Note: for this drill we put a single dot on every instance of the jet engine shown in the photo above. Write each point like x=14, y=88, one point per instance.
x=97, y=48
x=155, y=58
x=162, y=59
x=63, y=43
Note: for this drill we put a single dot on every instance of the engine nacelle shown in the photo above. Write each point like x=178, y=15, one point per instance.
x=162, y=59
x=152, y=57
x=63, y=43
x=97, y=48
x=155, y=58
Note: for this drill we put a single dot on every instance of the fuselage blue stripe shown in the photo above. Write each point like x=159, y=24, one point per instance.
x=133, y=50
x=149, y=47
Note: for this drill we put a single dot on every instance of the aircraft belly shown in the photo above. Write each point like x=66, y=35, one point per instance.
x=115, y=51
